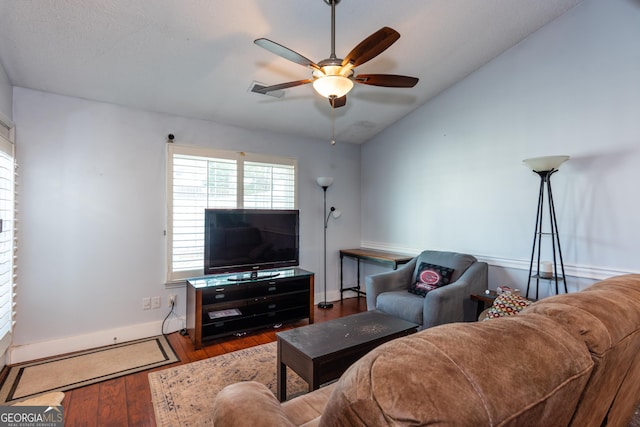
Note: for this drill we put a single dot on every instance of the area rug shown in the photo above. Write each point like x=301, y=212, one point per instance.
x=83, y=368
x=183, y=395
x=635, y=421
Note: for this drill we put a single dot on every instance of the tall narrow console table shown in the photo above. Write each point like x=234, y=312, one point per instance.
x=382, y=257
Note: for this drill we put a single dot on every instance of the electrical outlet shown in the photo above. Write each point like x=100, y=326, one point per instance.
x=172, y=300
x=155, y=302
x=146, y=303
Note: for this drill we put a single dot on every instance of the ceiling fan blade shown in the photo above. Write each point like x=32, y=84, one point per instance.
x=371, y=47
x=267, y=89
x=386, y=80
x=286, y=53
x=338, y=102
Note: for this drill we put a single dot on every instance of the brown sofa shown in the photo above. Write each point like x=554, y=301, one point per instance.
x=571, y=359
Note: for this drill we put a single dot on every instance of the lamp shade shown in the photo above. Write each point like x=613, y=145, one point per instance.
x=324, y=181
x=329, y=86
x=546, y=163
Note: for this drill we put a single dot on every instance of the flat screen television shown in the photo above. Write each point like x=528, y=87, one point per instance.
x=249, y=240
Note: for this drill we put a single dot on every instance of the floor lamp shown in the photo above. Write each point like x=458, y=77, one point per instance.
x=545, y=167
x=325, y=182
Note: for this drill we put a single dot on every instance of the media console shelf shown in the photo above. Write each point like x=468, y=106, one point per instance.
x=225, y=304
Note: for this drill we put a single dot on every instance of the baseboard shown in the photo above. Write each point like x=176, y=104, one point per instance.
x=582, y=271
x=39, y=350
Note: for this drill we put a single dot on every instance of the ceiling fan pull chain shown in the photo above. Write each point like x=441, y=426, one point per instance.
x=333, y=120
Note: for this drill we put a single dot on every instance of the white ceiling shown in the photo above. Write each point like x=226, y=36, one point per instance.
x=196, y=58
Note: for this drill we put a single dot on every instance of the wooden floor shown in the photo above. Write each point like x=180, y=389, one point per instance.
x=126, y=401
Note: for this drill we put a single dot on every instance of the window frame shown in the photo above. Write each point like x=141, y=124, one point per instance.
x=178, y=277
x=7, y=146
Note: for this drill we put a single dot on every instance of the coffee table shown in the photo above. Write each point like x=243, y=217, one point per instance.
x=321, y=352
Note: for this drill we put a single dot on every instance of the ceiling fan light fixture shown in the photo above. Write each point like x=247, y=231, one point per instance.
x=333, y=77
x=330, y=86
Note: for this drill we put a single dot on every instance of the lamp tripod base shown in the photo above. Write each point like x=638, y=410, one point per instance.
x=325, y=305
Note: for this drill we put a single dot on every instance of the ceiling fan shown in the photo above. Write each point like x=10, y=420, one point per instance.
x=334, y=77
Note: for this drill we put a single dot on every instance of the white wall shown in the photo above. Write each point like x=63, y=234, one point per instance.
x=450, y=176
x=92, y=215
x=6, y=94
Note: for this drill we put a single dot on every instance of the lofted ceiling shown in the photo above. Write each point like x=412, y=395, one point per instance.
x=197, y=59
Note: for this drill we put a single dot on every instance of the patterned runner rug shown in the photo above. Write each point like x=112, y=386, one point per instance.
x=32, y=379
x=183, y=395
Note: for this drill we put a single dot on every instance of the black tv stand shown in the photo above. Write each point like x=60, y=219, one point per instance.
x=226, y=304
x=253, y=276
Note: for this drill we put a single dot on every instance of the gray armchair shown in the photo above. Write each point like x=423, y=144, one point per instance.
x=388, y=292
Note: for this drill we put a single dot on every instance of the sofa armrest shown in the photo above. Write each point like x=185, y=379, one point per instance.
x=452, y=303
x=388, y=281
x=248, y=403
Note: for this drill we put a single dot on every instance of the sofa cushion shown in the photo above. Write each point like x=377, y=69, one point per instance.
x=606, y=317
x=537, y=373
x=506, y=304
x=430, y=277
x=307, y=408
x=401, y=304
x=594, y=314
x=253, y=400
x=456, y=261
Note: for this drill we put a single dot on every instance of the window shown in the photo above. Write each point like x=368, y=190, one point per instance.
x=268, y=185
x=200, y=178
x=7, y=241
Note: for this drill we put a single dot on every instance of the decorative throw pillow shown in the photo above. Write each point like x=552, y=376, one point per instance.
x=506, y=304
x=430, y=277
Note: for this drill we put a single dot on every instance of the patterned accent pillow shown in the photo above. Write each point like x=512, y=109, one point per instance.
x=506, y=304
x=430, y=277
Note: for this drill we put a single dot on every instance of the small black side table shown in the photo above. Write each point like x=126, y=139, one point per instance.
x=484, y=301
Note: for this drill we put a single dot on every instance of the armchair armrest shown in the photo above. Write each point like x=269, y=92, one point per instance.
x=388, y=281
x=248, y=403
x=452, y=303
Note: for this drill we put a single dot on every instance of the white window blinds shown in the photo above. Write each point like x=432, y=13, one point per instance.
x=7, y=237
x=198, y=183
x=269, y=186
x=201, y=178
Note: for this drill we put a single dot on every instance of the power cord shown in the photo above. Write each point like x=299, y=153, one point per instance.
x=183, y=331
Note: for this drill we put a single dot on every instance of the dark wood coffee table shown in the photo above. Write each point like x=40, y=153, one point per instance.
x=321, y=352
